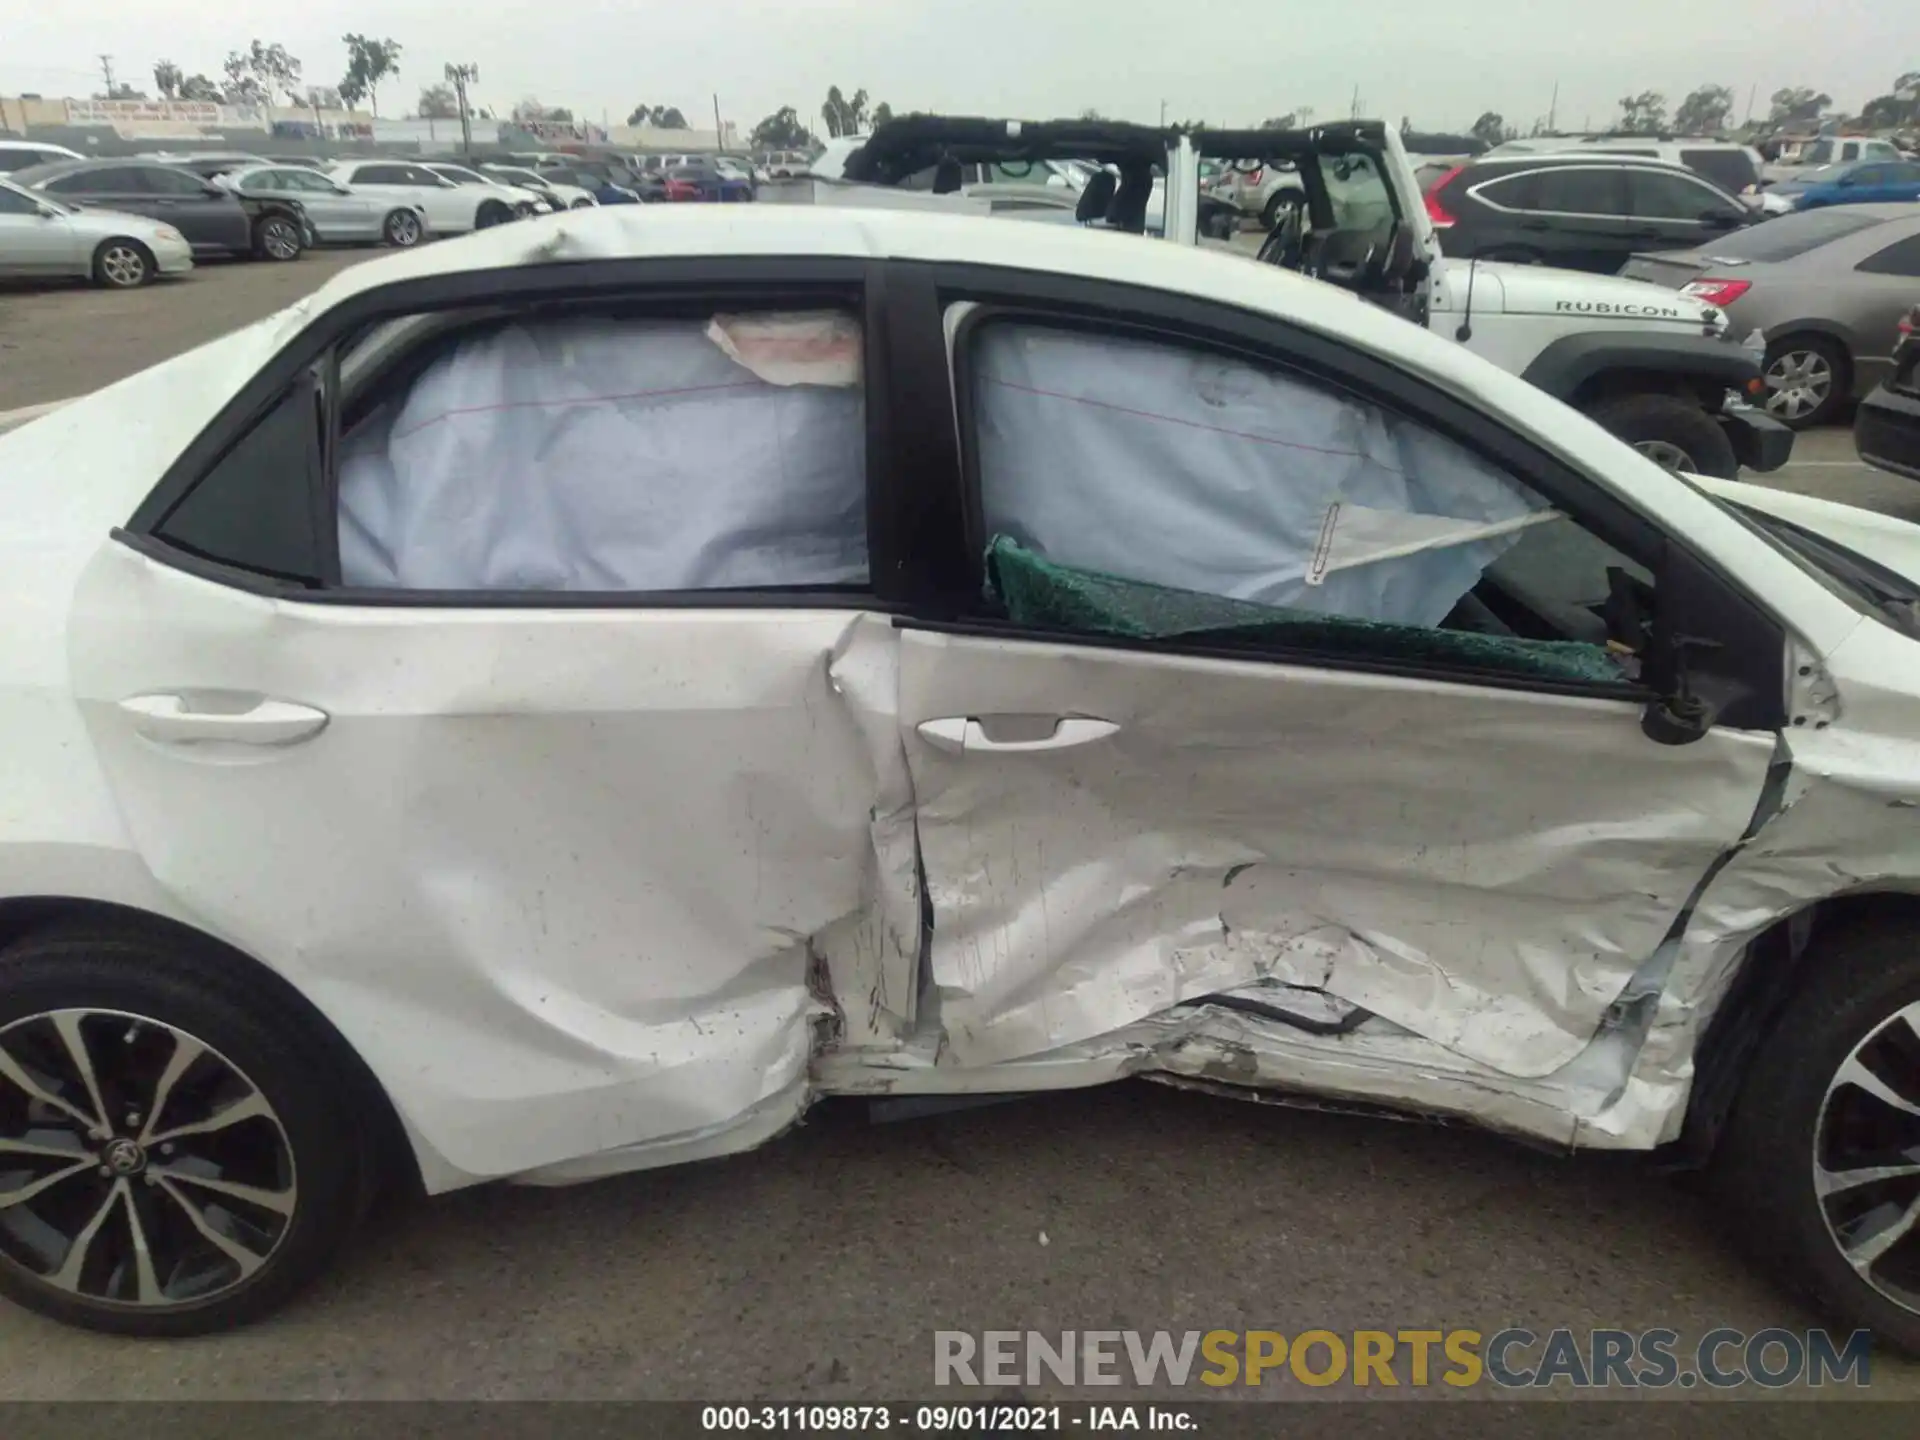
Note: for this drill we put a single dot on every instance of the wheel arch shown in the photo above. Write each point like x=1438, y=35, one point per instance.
x=1756, y=1001
x=398, y=1159
x=1597, y=364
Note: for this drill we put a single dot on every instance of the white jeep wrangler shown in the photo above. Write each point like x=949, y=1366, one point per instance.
x=1660, y=370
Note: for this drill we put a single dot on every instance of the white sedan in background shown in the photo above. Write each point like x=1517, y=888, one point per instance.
x=42, y=235
x=511, y=718
x=450, y=208
x=565, y=197
x=523, y=202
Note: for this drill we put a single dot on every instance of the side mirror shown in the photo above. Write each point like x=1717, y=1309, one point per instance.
x=1722, y=219
x=1846, y=182
x=45, y=214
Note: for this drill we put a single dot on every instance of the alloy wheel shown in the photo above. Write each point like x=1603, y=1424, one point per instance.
x=1798, y=383
x=403, y=229
x=1667, y=454
x=139, y=1167
x=280, y=240
x=1866, y=1158
x=123, y=265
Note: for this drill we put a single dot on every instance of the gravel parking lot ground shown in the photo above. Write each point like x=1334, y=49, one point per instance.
x=820, y=1267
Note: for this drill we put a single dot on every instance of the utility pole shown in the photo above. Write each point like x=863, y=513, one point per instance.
x=461, y=76
x=1353, y=110
x=719, y=135
x=106, y=71
x=1163, y=114
x=1753, y=93
x=1553, y=107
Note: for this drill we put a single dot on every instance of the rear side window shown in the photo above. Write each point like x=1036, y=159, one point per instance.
x=590, y=453
x=1731, y=170
x=112, y=181
x=1900, y=258
x=380, y=175
x=1570, y=191
x=1511, y=192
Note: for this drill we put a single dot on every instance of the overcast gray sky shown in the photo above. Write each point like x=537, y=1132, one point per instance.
x=1225, y=61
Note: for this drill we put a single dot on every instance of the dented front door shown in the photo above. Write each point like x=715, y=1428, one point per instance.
x=1108, y=833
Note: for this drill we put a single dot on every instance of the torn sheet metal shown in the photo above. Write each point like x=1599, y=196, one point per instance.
x=1483, y=867
x=594, y=854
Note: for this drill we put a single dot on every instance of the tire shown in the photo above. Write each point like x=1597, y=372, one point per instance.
x=121, y=264
x=1861, y=976
x=1220, y=224
x=490, y=214
x=1808, y=378
x=403, y=229
x=1270, y=215
x=276, y=237
x=137, y=991
x=1675, y=432
x=581, y=205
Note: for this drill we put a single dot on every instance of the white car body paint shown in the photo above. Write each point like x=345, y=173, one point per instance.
x=595, y=890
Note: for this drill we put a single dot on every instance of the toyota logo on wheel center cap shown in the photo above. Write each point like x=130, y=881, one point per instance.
x=123, y=1157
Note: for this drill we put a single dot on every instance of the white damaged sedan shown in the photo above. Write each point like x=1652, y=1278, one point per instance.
x=559, y=704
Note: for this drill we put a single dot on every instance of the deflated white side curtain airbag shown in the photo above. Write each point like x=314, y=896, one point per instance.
x=584, y=453
x=1205, y=473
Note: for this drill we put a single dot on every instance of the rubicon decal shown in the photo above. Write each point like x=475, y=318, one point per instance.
x=1610, y=307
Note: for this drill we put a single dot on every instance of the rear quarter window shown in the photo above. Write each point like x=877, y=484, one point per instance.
x=1792, y=235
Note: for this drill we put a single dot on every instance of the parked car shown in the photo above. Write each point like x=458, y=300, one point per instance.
x=214, y=220
x=1830, y=150
x=1660, y=371
x=599, y=181
x=338, y=214
x=1864, y=182
x=705, y=181
x=558, y=194
x=787, y=164
x=1483, y=771
x=1886, y=430
x=521, y=202
x=1580, y=212
x=42, y=236
x=19, y=154
x=1826, y=290
x=451, y=209
x=1725, y=164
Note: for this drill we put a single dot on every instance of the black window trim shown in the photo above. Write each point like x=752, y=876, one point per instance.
x=674, y=282
x=920, y=294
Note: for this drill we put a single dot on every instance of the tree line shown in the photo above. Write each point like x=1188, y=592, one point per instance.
x=1708, y=110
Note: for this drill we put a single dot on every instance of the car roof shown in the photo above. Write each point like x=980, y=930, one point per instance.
x=1578, y=157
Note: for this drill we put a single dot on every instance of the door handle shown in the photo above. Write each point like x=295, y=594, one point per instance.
x=174, y=720
x=964, y=734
